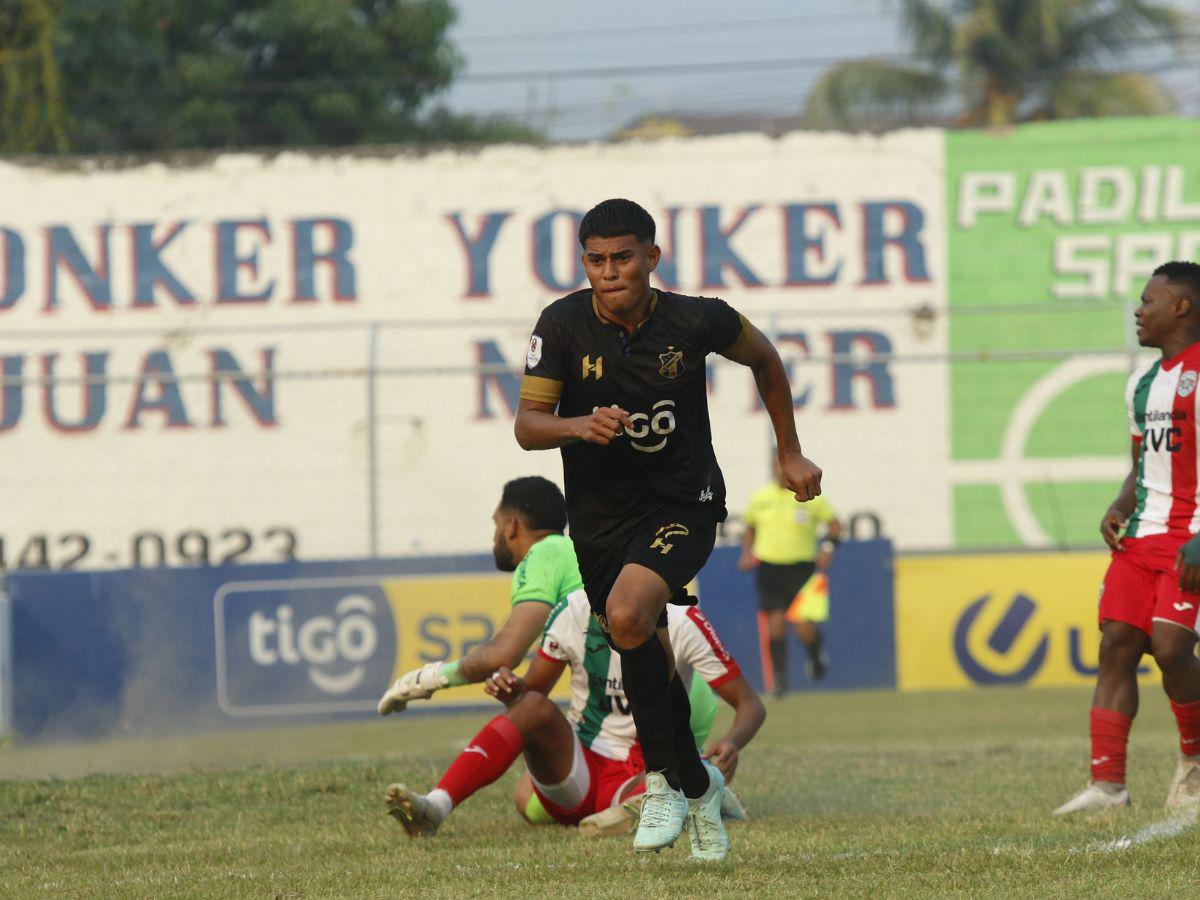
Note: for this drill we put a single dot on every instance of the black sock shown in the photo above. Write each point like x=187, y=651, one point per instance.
x=814, y=646
x=779, y=662
x=644, y=673
x=693, y=777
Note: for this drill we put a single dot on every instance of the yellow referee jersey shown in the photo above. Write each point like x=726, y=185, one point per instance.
x=785, y=530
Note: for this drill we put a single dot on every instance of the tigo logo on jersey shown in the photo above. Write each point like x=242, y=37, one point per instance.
x=1187, y=383
x=304, y=645
x=661, y=422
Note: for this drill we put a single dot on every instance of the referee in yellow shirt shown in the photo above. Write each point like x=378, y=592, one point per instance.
x=781, y=544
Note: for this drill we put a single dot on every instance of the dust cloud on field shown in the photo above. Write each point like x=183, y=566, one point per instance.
x=395, y=739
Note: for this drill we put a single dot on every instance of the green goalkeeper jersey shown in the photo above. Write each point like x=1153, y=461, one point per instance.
x=548, y=573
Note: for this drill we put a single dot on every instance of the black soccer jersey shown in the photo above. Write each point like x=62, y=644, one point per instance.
x=581, y=361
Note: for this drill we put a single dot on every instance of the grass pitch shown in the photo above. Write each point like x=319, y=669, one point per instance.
x=851, y=794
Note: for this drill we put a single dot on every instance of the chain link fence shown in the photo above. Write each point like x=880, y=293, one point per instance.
x=973, y=427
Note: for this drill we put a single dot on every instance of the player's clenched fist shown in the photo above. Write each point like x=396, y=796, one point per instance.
x=1110, y=528
x=505, y=686
x=604, y=424
x=800, y=474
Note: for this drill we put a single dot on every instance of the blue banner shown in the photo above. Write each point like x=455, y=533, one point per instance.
x=179, y=650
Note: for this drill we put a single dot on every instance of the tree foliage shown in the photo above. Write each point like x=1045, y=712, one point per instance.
x=31, y=113
x=151, y=75
x=1011, y=60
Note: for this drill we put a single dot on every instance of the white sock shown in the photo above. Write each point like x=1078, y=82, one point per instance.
x=441, y=802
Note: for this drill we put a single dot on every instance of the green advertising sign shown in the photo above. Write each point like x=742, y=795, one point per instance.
x=1054, y=228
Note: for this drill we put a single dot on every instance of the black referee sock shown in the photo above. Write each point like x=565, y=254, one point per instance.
x=693, y=777
x=644, y=673
x=779, y=662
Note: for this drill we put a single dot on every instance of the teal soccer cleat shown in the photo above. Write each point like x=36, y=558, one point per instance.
x=709, y=840
x=663, y=813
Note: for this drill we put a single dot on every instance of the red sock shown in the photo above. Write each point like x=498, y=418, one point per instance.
x=1110, y=735
x=486, y=758
x=1188, y=717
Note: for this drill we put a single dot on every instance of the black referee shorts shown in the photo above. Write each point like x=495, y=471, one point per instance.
x=778, y=584
x=674, y=542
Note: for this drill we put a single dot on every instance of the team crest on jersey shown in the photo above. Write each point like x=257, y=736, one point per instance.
x=670, y=364
x=534, y=356
x=1187, y=383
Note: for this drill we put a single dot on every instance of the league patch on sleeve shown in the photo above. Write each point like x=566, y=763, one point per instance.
x=534, y=356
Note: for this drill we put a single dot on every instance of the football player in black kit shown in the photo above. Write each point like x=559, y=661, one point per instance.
x=615, y=377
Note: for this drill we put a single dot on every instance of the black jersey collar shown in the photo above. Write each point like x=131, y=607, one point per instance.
x=641, y=325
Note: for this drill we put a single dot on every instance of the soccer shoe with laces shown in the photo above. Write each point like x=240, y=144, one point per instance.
x=709, y=840
x=1097, y=795
x=412, y=810
x=1185, y=786
x=664, y=811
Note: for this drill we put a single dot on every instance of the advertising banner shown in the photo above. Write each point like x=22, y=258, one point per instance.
x=187, y=349
x=1030, y=619
x=137, y=651
x=189, y=650
x=1055, y=227
x=310, y=645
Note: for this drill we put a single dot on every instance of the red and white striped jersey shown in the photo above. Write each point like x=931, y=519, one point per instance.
x=1161, y=400
x=599, y=710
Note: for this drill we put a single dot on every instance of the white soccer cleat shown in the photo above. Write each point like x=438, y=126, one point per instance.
x=664, y=811
x=414, y=811
x=1097, y=795
x=1184, y=792
x=709, y=840
x=732, y=807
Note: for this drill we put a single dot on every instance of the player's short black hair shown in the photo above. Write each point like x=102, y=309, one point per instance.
x=617, y=217
x=536, y=500
x=1182, y=272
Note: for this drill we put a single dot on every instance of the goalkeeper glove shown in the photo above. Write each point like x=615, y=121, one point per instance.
x=419, y=684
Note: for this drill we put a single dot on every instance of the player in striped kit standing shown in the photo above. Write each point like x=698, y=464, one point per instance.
x=1151, y=592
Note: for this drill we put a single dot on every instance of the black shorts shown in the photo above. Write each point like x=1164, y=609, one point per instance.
x=674, y=542
x=778, y=584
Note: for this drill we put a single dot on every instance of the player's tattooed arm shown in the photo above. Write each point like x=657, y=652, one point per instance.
x=508, y=646
x=752, y=349
x=538, y=427
x=1122, y=508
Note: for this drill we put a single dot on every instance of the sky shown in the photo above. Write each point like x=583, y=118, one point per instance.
x=580, y=71
x=505, y=36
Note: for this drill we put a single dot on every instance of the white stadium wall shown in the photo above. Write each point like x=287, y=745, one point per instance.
x=185, y=347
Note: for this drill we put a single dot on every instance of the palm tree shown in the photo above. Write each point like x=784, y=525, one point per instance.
x=1015, y=60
